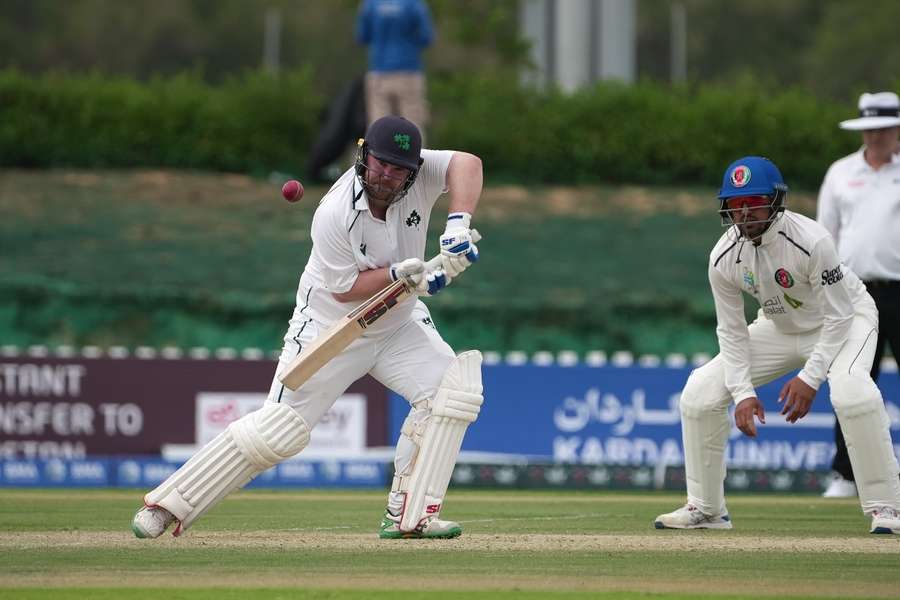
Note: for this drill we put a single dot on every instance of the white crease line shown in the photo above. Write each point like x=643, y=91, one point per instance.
x=559, y=518
x=318, y=528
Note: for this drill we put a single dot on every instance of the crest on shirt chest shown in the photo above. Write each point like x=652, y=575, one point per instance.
x=750, y=282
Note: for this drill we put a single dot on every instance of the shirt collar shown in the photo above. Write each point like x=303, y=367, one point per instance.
x=773, y=229
x=860, y=164
x=359, y=199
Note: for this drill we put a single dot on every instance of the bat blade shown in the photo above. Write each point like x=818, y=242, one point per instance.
x=331, y=343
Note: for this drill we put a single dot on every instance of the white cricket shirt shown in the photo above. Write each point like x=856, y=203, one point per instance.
x=347, y=239
x=800, y=284
x=860, y=208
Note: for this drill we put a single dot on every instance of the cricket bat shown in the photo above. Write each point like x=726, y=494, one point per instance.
x=332, y=342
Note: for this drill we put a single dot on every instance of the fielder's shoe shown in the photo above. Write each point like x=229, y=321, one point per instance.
x=690, y=517
x=151, y=522
x=885, y=520
x=840, y=488
x=431, y=528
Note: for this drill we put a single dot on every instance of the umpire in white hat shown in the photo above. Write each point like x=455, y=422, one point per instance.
x=859, y=204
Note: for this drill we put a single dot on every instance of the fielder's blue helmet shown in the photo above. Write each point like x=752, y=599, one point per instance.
x=752, y=176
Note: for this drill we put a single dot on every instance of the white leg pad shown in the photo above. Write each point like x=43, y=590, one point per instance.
x=456, y=404
x=866, y=426
x=249, y=446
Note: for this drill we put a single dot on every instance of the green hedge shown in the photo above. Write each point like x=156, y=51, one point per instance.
x=249, y=123
x=645, y=133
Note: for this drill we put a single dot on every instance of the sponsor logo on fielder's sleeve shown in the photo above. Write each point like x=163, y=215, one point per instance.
x=830, y=276
x=784, y=278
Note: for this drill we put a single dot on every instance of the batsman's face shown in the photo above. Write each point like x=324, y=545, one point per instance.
x=384, y=179
x=751, y=214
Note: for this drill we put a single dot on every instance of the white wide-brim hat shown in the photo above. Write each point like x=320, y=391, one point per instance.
x=876, y=111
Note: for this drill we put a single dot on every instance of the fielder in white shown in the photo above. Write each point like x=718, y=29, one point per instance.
x=369, y=230
x=815, y=315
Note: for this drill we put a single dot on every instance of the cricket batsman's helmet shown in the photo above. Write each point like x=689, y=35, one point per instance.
x=393, y=140
x=752, y=176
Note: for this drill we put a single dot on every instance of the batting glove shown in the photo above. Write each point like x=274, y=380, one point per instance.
x=418, y=277
x=457, y=237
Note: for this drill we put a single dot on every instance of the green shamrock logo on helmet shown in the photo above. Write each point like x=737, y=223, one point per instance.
x=402, y=140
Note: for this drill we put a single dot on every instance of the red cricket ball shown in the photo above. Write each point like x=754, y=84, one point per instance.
x=292, y=190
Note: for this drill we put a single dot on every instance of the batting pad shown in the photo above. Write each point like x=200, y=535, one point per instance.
x=456, y=404
x=249, y=446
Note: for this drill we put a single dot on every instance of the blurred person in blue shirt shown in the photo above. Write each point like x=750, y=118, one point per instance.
x=396, y=32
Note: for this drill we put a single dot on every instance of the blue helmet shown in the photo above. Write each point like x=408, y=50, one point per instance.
x=753, y=176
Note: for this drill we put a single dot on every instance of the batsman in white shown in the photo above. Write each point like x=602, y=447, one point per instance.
x=368, y=230
x=815, y=315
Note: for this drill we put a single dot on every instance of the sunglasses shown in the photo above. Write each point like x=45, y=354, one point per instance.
x=748, y=202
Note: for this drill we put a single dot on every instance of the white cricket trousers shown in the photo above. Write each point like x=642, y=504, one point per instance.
x=856, y=399
x=410, y=360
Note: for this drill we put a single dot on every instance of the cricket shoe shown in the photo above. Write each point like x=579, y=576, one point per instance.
x=151, y=522
x=690, y=517
x=885, y=520
x=429, y=528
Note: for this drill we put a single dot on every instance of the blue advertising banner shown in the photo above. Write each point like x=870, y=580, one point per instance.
x=629, y=416
x=146, y=472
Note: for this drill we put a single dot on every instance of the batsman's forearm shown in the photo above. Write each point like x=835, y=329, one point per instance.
x=366, y=285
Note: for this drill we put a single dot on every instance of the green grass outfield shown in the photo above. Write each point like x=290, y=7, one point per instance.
x=322, y=544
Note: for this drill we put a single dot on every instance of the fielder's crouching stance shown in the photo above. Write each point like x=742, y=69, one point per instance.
x=368, y=231
x=815, y=315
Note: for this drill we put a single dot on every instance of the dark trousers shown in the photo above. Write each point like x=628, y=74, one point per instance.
x=887, y=298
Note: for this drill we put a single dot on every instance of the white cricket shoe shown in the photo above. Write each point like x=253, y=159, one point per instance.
x=690, y=517
x=151, y=522
x=885, y=520
x=431, y=528
x=840, y=488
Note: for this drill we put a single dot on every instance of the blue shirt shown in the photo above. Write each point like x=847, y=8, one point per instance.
x=396, y=32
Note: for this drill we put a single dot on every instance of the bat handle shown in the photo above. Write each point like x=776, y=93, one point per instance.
x=435, y=262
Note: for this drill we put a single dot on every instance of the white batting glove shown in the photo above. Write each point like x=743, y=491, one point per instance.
x=454, y=265
x=418, y=277
x=457, y=237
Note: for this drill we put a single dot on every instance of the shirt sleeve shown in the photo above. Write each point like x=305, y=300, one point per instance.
x=733, y=335
x=827, y=278
x=433, y=173
x=827, y=210
x=331, y=244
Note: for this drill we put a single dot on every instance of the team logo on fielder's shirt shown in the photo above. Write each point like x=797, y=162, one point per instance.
x=413, y=219
x=784, y=278
x=750, y=281
x=740, y=176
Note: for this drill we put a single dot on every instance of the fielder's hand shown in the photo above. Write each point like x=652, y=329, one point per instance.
x=422, y=280
x=798, y=398
x=743, y=415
